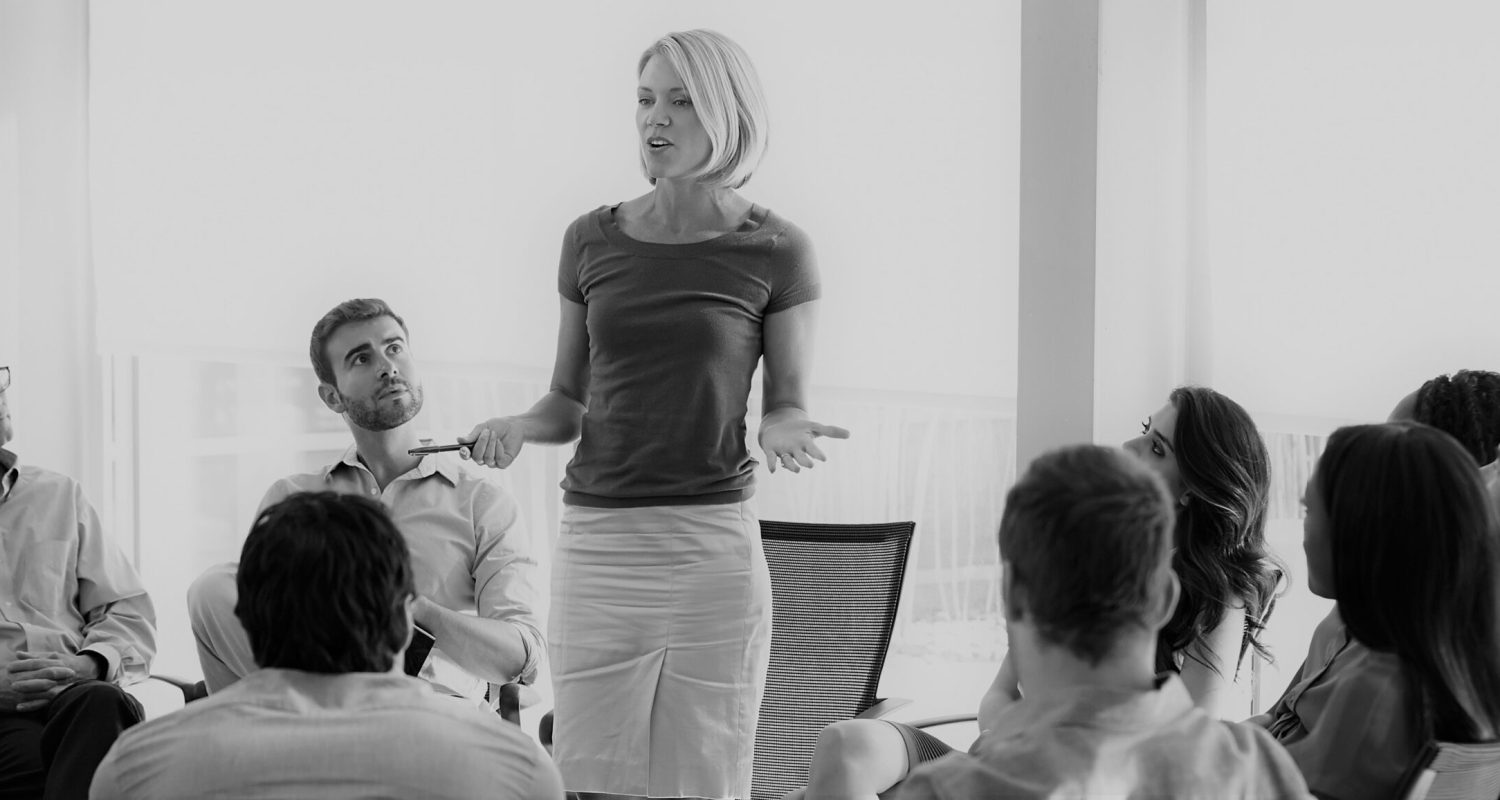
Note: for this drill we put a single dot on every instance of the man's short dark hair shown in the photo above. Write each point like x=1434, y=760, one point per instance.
x=323, y=583
x=1086, y=532
x=357, y=310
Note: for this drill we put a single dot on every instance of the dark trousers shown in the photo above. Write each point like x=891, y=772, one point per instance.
x=52, y=753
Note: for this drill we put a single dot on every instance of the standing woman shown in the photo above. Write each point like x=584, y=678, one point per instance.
x=661, y=599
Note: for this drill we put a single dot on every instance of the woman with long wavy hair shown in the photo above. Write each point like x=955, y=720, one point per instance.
x=1214, y=461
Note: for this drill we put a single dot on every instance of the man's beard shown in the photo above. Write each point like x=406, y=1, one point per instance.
x=372, y=415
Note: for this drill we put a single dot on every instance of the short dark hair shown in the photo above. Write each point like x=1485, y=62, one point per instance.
x=1086, y=532
x=323, y=583
x=357, y=310
x=1466, y=406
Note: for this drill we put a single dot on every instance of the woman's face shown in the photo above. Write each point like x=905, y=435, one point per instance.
x=1157, y=447
x=1317, y=540
x=673, y=141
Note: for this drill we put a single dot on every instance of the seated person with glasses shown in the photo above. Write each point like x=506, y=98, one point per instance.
x=75, y=626
x=327, y=599
x=1086, y=552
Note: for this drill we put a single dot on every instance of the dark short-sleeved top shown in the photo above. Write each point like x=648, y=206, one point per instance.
x=675, y=333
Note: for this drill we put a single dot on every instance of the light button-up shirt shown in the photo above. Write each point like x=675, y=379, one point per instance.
x=64, y=586
x=469, y=551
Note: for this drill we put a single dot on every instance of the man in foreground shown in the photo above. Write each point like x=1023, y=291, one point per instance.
x=326, y=598
x=1086, y=544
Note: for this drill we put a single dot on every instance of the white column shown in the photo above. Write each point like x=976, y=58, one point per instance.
x=1059, y=105
x=1152, y=311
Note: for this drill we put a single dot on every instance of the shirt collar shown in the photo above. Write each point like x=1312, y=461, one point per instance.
x=1109, y=709
x=435, y=463
x=8, y=473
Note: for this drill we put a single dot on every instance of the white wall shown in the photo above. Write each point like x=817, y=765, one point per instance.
x=257, y=162
x=1354, y=186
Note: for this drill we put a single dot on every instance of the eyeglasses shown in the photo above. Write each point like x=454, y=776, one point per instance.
x=4, y=378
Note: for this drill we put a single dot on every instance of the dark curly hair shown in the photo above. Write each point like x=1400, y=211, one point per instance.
x=1221, y=557
x=1466, y=406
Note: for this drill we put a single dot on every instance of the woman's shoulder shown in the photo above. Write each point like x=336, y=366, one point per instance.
x=779, y=230
x=589, y=223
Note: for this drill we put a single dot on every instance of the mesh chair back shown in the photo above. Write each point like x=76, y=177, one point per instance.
x=1447, y=771
x=835, y=589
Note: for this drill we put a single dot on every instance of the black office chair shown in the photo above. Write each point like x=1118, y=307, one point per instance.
x=836, y=590
x=1448, y=771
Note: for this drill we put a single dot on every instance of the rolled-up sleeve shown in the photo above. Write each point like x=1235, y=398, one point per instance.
x=119, y=619
x=504, y=572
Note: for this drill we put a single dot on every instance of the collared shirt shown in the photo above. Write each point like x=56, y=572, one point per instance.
x=64, y=586
x=1113, y=743
x=1346, y=717
x=469, y=551
x=288, y=733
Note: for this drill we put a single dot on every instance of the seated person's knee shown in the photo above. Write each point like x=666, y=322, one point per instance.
x=212, y=594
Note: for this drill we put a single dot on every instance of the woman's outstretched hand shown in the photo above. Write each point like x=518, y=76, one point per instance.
x=791, y=441
x=497, y=442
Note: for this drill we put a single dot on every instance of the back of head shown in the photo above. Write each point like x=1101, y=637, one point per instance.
x=357, y=310
x=1413, y=546
x=323, y=583
x=727, y=95
x=1465, y=405
x=1087, y=533
x=1221, y=558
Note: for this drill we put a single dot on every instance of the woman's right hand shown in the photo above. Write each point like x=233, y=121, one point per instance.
x=497, y=442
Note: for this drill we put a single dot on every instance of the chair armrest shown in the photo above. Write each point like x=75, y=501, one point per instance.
x=948, y=719
x=191, y=690
x=883, y=706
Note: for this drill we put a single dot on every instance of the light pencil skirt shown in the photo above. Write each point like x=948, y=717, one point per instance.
x=660, y=638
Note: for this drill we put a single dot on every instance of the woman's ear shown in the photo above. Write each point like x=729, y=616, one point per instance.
x=1169, y=592
x=1183, y=500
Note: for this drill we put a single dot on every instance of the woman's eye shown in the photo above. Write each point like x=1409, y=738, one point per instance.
x=1156, y=448
x=1146, y=426
x=682, y=102
x=643, y=101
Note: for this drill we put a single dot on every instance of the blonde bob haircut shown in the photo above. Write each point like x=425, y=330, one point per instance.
x=725, y=91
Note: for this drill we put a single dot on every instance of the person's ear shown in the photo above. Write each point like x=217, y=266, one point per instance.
x=411, y=620
x=1168, y=592
x=1183, y=500
x=330, y=396
x=1011, y=594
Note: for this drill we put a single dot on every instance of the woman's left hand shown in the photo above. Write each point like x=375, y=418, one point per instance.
x=790, y=441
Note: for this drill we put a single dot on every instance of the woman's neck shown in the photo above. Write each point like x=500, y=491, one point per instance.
x=685, y=211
